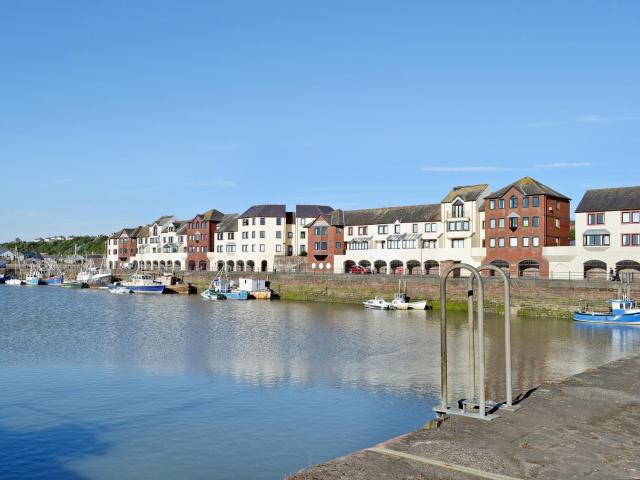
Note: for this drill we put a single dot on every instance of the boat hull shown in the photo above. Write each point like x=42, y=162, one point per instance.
x=239, y=295
x=34, y=281
x=15, y=282
x=148, y=289
x=609, y=318
x=57, y=280
x=261, y=294
x=99, y=280
x=75, y=285
x=211, y=295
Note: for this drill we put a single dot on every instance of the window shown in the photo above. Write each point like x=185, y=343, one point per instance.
x=278, y=220
x=501, y=242
x=513, y=241
x=245, y=222
x=596, y=240
x=408, y=244
x=362, y=245
x=383, y=229
x=278, y=234
x=350, y=231
x=457, y=243
x=536, y=201
x=492, y=223
x=596, y=219
x=630, y=239
x=245, y=235
x=219, y=249
x=245, y=248
x=414, y=228
x=231, y=248
x=501, y=203
x=429, y=244
x=525, y=221
x=536, y=220
x=513, y=202
x=230, y=235
x=458, y=209
x=513, y=223
x=338, y=245
x=362, y=230
x=289, y=234
x=278, y=248
x=263, y=221
x=631, y=217
x=303, y=235
x=492, y=242
x=253, y=221
x=338, y=229
x=492, y=204
x=501, y=222
x=430, y=227
x=262, y=247
x=557, y=223
x=525, y=241
x=303, y=248
x=320, y=231
x=263, y=234
x=536, y=240
x=458, y=226
x=525, y=202
x=396, y=228
x=393, y=244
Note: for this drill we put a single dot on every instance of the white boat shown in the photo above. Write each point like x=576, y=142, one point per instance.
x=143, y=283
x=94, y=277
x=623, y=310
x=120, y=289
x=378, y=303
x=211, y=294
x=400, y=302
x=15, y=280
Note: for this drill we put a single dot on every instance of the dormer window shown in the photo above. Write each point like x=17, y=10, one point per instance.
x=155, y=230
x=458, y=209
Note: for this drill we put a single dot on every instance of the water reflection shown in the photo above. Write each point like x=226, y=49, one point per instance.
x=174, y=386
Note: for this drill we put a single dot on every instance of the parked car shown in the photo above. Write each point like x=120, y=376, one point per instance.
x=359, y=270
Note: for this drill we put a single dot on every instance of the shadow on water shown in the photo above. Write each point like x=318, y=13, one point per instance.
x=43, y=453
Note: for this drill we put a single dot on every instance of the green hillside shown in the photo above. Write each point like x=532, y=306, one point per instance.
x=86, y=245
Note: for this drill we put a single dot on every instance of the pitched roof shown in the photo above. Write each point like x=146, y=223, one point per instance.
x=468, y=193
x=528, y=186
x=229, y=223
x=386, y=215
x=608, y=199
x=312, y=211
x=212, y=215
x=265, y=211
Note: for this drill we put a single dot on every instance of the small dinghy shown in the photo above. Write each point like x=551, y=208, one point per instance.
x=378, y=303
x=211, y=294
x=400, y=302
x=120, y=289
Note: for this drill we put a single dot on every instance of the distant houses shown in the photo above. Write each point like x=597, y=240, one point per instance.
x=523, y=228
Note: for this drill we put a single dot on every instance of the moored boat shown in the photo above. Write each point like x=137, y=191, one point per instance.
x=226, y=288
x=378, y=303
x=75, y=284
x=622, y=311
x=143, y=283
x=12, y=280
x=119, y=289
x=401, y=302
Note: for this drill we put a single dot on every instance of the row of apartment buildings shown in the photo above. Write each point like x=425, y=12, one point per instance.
x=523, y=228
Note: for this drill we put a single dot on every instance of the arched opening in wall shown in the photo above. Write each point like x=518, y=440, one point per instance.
x=110, y=265
x=202, y=265
x=192, y=265
x=155, y=265
x=163, y=265
x=380, y=266
x=431, y=267
x=348, y=265
x=413, y=267
x=240, y=266
x=134, y=265
x=177, y=266
x=148, y=265
x=365, y=264
x=529, y=268
x=251, y=266
x=170, y=265
x=628, y=268
x=263, y=266
x=397, y=267
x=220, y=265
x=230, y=266
x=502, y=265
x=595, y=270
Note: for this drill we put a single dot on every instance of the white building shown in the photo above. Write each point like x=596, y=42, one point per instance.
x=607, y=230
x=162, y=246
x=416, y=239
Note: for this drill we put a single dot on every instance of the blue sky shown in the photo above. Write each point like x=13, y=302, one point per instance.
x=114, y=113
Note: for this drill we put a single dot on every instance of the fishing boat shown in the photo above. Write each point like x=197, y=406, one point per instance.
x=75, y=284
x=36, y=276
x=378, y=303
x=141, y=283
x=15, y=279
x=257, y=288
x=622, y=311
x=94, y=277
x=120, y=289
x=223, y=286
x=401, y=302
x=211, y=294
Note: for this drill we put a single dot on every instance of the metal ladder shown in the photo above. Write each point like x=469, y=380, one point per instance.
x=470, y=407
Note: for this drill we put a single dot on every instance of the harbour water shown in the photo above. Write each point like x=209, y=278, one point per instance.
x=104, y=386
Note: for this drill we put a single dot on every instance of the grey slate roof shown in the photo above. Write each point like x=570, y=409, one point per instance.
x=312, y=211
x=229, y=223
x=212, y=215
x=265, y=211
x=162, y=221
x=388, y=215
x=609, y=199
x=528, y=186
x=468, y=193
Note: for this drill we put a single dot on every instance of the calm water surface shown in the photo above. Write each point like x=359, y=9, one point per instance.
x=104, y=386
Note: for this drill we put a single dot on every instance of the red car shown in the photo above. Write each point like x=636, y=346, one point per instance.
x=359, y=270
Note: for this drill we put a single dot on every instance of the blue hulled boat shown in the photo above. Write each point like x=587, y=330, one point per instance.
x=623, y=311
x=141, y=283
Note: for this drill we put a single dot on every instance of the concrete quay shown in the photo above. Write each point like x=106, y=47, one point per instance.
x=584, y=427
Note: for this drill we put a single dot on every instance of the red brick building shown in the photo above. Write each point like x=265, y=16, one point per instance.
x=325, y=240
x=520, y=220
x=125, y=245
x=201, y=234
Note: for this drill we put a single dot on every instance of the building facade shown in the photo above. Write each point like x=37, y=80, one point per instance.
x=326, y=241
x=201, y=236
x=521, y=220
x=123, y=247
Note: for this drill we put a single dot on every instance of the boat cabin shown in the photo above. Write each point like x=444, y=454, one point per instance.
x=622, y=306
